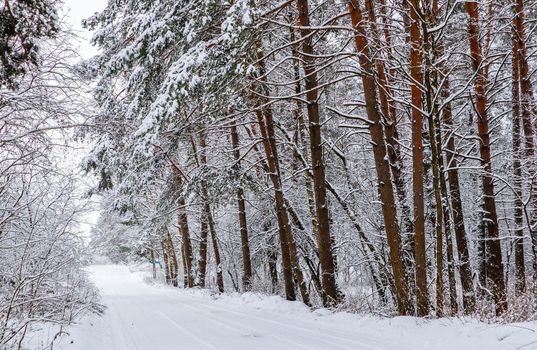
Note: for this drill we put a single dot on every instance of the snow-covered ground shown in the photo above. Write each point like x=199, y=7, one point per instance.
x=141, y=316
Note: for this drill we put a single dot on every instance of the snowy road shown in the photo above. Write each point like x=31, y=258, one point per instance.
x=140, y=316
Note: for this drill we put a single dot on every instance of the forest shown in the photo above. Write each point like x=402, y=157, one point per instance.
x=366, y=156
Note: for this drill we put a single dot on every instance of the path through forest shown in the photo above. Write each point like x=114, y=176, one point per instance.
x=140, y=316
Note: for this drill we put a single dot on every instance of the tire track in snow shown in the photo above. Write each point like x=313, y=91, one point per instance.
x=134, y=306
x=187, y=332
x=317, y=333
x=313, y=323
x=125, y=334
x=226, y=323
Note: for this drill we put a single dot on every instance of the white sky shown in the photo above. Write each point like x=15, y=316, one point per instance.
x=77, y=10
x=74, y=11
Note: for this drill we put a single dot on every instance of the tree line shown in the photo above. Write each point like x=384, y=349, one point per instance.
x=355, y=152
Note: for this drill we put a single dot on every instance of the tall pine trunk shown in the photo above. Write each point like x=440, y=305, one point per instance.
x=245, y=246
x=186, y=244
x=302, y=146
x=422, y=292
x=153, y=263
x=443, y=222
x=286, y=223
x=280, y=211
x=520, y=269
x=387, y=105
x=324, y=240
x=204, y=231
x=172, y=257
x=216, y=249
x=495, y=269
x=376, y=130
x=461, y=239
x=165, y=261
x=290, y=262
x=527, y=104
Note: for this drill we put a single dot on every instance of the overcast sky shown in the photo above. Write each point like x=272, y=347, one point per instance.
x=76, y=11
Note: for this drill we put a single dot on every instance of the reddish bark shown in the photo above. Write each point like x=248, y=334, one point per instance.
x=527, y=105
x=382, y=165
x=495, y=269
x=418, y=173
x=324, y=240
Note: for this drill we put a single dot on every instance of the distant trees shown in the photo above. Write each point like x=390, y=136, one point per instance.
x=318, y=126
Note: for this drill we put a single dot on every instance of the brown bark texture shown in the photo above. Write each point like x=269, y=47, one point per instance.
x=382, y=166
x=495, y=269
x=324, y=240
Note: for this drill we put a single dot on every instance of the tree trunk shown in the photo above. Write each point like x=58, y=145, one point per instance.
x=520, y=269
x=382, y=165
x=245, y=246
x=422, y=293
x=304, y=158
x=273, y=168
x=267, y=135
x=280, y=211
x=165, y=260
x=324, y=241
x=171, y=270
x=495, y=270
x=461, y=240
x=527, y=103
x=204, y=230
x=272, y=256
x=290, y=259
x=214, y=241
x=452, y=283
x=388, y=109
x=186, y=244
x=153, y=265
x=185, y=272
x=431, y=51
x=384, y=277
x=172, y=257
x=286, y=226
x=439, y=206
